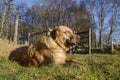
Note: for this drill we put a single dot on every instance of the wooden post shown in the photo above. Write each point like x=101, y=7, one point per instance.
x=89, y=41
x=16, y=29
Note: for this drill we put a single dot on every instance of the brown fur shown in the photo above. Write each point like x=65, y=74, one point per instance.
x=48, y=50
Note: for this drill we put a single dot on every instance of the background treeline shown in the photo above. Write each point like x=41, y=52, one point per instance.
x=101, y=15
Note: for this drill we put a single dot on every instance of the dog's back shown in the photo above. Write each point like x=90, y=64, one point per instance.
x=44, y=52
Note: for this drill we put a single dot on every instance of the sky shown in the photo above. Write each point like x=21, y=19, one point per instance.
x=29, y=3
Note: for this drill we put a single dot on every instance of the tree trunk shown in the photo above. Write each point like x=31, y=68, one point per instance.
x=2, y=25
x=101, y=40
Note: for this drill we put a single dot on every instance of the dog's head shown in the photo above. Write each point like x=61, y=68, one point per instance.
x=64, y=36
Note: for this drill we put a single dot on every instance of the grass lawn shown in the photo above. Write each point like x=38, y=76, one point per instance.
x=98, y=67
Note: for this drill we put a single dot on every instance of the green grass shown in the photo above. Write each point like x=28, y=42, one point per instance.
x=97, y=67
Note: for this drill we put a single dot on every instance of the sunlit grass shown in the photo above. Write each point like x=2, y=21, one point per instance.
x=97, y=67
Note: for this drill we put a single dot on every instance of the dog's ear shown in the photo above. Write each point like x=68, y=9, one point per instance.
x=53, y=33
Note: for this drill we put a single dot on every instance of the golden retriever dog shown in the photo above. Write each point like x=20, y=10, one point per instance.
x=48, y=50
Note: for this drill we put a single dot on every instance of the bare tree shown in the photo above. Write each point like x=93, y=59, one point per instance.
x=7, y=7
x=91, y=7
x=101, y=14
x=113, y=21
